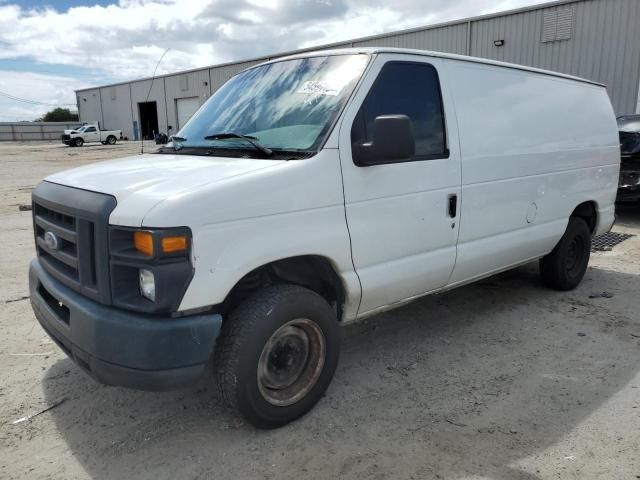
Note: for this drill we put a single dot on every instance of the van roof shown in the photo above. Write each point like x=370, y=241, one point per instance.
x=428, y=53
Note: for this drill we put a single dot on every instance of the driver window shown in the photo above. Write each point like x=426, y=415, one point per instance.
x=410, y=89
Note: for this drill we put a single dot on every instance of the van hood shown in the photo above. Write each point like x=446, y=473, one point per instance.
x=140, y=182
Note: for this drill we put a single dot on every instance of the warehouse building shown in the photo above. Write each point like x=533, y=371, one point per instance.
x=594, y=39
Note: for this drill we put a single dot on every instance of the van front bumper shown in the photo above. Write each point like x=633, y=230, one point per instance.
x=121, y=348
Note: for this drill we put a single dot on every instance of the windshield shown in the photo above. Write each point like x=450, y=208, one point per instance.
x=288, y=105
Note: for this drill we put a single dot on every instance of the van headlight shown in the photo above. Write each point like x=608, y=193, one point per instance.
x=150, y=268
x=147, y=284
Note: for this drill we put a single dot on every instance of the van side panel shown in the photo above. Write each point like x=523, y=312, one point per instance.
x=533, y=147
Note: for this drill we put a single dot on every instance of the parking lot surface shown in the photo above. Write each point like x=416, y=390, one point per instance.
x=502, y=379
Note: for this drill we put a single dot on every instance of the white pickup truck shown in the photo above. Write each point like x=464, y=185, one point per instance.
x=309, y=192
x=90, y=133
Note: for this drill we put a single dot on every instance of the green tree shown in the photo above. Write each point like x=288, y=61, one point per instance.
x=59, y=115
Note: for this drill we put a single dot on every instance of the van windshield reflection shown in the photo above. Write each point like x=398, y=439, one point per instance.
x=289, y=106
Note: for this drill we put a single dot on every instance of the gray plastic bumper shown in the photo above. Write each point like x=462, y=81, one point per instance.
x=117, y=347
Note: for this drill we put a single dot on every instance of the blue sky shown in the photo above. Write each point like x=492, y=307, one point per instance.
x=61, y=5
x=26, y=64
x=49, y=48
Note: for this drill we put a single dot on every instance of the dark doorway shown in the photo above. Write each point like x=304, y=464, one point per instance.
x=148, y=119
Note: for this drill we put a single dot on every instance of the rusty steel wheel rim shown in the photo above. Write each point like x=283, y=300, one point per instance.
x=291, y=362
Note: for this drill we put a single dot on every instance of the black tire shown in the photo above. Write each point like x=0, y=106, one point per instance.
x=565, y=266
x=111, y=140
x=249, y=332
x=78, y=142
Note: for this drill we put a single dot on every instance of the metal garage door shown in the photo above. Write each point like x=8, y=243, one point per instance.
x=185, y=107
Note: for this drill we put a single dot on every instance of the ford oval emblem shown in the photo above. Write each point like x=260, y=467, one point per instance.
x=51, y=241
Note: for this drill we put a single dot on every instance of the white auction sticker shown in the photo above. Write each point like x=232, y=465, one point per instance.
x=317, y=87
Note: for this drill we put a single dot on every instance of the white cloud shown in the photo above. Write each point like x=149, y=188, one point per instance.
x=126, y=39
x=50, y=89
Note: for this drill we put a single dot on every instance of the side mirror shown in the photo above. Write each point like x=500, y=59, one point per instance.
x=392, y=140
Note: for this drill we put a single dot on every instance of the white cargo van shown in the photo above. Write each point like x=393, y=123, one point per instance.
x=308, y=192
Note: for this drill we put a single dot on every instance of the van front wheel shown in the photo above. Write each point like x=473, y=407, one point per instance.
x=276, y=354
x=565, y=266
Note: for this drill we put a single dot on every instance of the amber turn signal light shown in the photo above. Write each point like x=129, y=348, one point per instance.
x=174, y=244
x=143, y=241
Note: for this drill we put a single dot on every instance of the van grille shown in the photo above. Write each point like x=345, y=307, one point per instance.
x=63, y=258
x=76, y=252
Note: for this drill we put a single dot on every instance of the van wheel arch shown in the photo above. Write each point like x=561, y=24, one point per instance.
x=587, y=211
x=315, y=272
x=564, y=267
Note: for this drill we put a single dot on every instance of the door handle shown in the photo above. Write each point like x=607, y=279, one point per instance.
x=453, y=205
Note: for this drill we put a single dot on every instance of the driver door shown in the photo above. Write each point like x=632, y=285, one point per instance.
x=402, y=215
x=91, y=135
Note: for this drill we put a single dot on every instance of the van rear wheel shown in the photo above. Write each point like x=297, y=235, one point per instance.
x=276, y=354
x=565, y=266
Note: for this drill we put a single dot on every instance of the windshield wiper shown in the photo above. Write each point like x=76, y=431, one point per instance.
x=176, y=140
x=249, y=139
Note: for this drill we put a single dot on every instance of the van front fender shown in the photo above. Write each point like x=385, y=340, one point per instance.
x=224, y=253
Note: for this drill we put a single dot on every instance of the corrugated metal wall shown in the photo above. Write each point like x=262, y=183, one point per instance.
x=595, y=39
x=22, y=131
x=604, y=44
x=115, y=115
x=89, y=105
x=449, y=39
x=185, y=85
